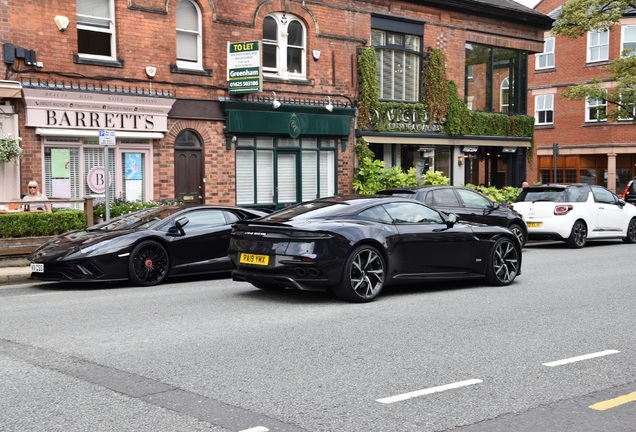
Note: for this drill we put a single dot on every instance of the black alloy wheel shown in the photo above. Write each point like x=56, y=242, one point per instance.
x=631, y=232
x=503, y=267
x=148, y=264
x=363, y=275
x=578, y=236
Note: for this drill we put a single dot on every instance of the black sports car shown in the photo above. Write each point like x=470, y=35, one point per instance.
x=144, y=246
x=355, y=246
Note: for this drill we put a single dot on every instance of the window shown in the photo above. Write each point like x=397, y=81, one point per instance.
x=284, y=46
x=595, y=110
x=544, y=109
x=628, y=44
x=189, y=50
x=399, y=58
x=96, y=29
x=275, y=171
x=545, y=60
x=597, y=46
x=498, y=79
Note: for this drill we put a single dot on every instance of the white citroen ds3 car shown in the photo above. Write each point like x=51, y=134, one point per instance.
x=575, y=213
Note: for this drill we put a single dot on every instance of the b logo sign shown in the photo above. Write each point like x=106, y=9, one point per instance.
x=96, y=179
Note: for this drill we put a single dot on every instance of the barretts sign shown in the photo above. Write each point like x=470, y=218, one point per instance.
x=244, y=67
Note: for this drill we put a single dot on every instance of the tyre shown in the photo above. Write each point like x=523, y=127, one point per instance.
x=631, y=232
x=578, y=236
x=503, y=266
x=148, y=264
x=362, y=277
x=518, y=231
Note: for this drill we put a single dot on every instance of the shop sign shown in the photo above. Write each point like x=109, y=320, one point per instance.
x=244, y=67
x=408, y=121
x=96, y=179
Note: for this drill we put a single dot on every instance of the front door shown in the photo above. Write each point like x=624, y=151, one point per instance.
x=188, y=168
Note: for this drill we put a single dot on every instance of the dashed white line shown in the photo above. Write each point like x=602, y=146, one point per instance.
x=405, y=396
x=256, y=429
x=579, y=358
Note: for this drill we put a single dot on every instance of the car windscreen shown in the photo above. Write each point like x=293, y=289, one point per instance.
x=139, y=219
x=308, y=210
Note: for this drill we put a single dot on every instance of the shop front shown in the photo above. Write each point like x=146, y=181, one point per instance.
x=74, y=160
x=285, y=154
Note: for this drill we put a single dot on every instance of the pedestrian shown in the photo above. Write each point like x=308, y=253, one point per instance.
x=36, y=195
x=524, y=185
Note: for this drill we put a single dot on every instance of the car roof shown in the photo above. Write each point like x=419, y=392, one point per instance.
x=415, y=189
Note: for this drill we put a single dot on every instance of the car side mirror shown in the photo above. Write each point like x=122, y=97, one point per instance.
x=621, y=202
x=177, y=228
x=451, y=220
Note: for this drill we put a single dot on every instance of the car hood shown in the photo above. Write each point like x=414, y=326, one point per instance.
x=73, y=241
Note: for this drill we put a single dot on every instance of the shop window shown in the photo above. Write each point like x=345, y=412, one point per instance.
x=76, y=170
x=96, y=29
x=284, y=46
x=189, y=36
x=399, y=57
x=597, y=46
x=544, y=109
x=272, y=171
x=545, y=60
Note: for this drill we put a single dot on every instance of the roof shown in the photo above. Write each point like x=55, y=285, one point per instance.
x=509, y=10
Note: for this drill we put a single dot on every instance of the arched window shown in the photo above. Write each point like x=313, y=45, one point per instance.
x=284, y=46
x=504, y=95
x=189, y=35
x=188, y=139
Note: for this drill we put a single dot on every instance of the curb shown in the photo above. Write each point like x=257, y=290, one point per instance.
x=15, y=275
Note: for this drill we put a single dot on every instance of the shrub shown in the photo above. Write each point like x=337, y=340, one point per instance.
x=121, y=206
x=505, y=196
x=26, y=224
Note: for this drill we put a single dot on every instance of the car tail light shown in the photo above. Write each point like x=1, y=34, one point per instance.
x=629, y=184
x=563, y=209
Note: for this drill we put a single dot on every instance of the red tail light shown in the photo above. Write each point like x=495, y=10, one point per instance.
x=626, y=189
x=563, y=209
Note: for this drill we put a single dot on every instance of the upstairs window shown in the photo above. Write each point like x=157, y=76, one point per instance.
x=544, y=109
x=545, y=60
x=597, y=46
x=399, y=58
x=189, y=50
x=628, y=43
x=284, y=46
x=96, y=29
x=595, y=110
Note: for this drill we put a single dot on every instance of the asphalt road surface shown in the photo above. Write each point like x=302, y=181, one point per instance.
x=555, y=351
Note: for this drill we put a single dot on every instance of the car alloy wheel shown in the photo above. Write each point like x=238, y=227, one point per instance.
x=517, y=231
x=363, y=276
x=504, y=262
x=631, y=232
x=148, y=264
x=578, y=236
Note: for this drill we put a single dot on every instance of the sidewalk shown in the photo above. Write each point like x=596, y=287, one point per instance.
x=14, y=271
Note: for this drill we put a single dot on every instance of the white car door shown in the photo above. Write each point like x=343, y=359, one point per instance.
x=612, y=218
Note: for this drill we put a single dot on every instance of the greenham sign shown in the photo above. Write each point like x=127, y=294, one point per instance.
x=244, y=67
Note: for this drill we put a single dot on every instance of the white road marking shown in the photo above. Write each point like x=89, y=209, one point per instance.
x=579, y=358
x=256, y=429
x=427, y=391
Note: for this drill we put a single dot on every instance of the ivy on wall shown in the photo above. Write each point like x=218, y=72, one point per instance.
x=441, y=104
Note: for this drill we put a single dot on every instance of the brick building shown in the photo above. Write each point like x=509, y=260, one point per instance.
x=155, y=72
x=591, y=149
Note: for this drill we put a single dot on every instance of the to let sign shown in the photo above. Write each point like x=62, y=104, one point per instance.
x=107, y=137
x=244, y=69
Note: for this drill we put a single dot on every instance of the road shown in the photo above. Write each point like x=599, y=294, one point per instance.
x=555, y=351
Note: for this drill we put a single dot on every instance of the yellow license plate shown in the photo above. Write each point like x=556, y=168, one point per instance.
x=535, y=224
x=246, y=258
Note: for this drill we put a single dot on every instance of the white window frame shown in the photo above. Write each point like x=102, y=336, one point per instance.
x=283, y=20
x=188, y=64
x=631, y=40
x=597, y=48
x=108, y=27
x=594, y=104
x=542, y=104
x=545, y=60
x=504, y=95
